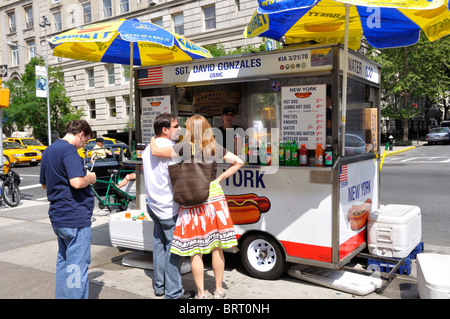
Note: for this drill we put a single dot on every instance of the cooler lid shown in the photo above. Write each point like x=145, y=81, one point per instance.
x=395, y=214
x=435, y=269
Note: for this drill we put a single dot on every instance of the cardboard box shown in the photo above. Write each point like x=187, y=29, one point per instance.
x=370, y=125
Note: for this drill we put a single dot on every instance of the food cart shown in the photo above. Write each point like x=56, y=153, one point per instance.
x=283, y=212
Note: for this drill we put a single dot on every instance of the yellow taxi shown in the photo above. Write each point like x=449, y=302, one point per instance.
x=18, y=154
x=91, y=143
x=29, y=142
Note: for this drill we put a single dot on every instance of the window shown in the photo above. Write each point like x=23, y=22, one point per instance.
x=15, y=55
x=210, y=17
x=126, y=103
x=12, y=22
x=91, y=109
x=107, y=8
x=111, y=107
x=90, y=78
x=57, y=21
x=110, y=74
x=29, y=16
x=238, y=4
x=158, y=22
x=31, y=49
x=126, y=73
x=124, y=6
x=87, y=13
x=178, y=24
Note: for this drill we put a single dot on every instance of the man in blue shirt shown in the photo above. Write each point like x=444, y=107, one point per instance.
x=71, y=205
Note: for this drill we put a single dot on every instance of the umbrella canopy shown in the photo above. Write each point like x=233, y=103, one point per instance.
x=383, y=23
x=126, y=42
x=110, y=42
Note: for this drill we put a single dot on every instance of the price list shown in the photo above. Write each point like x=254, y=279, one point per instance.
x=303, y=114
x=152, y=107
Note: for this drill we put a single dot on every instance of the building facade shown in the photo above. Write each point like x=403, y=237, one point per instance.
x=101, y=90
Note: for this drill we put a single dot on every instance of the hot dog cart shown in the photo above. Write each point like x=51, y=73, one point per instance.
x=283, y=212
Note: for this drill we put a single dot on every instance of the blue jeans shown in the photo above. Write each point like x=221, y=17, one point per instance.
x=72, y=262
x=166, y=266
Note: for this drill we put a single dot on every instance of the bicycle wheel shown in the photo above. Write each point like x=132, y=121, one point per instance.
x=10, y=192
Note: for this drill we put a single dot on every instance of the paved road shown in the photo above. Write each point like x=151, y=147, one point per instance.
x=27, y=263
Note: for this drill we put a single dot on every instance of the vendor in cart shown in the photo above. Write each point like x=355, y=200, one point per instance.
x=228, y=114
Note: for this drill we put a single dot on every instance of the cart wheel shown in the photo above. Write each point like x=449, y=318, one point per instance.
x=101, y=205
x=262, y=257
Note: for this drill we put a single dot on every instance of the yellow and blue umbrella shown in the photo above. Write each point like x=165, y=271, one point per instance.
x=128, y=42
x=110, y=42
x=383, y=23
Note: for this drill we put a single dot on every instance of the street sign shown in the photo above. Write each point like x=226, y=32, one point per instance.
x=3, y=71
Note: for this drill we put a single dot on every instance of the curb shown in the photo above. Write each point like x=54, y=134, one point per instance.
x=390, y=153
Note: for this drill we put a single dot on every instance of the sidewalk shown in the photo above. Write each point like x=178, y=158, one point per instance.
x=28, y=250
x=399, y=149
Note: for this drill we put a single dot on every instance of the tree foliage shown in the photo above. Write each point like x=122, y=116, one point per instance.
x=27, y=110
x=418, y=74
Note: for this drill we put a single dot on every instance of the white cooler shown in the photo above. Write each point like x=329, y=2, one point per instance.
x=131, y=233
x=433, y=276
x=394, y=230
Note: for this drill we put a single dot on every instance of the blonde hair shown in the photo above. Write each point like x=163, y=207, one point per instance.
x=200, y=133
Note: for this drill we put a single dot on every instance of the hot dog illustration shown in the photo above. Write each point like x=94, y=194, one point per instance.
x=323, y=27
x=247, y=208
x=93, y=29
x=357, y=215
x=80, y=49
x=302, y=95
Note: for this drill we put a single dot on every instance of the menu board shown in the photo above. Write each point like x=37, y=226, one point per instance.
x=151, y=107
x=303, y=114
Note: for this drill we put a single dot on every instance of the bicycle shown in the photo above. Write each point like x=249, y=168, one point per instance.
x=10, y=186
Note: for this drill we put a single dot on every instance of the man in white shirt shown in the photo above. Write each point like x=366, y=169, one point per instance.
x=164, y=211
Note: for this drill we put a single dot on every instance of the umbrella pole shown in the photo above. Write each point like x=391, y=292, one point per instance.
x=344, y=78
x=130, y=124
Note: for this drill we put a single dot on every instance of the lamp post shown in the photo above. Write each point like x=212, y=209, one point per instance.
x=44, y=24
x=11, y=44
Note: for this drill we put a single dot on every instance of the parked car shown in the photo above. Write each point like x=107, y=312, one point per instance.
x=91, y=143
x=29, y=142
x=438, y=135
x=18, y=154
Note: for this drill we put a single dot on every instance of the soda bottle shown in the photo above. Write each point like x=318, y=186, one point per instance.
x=133, y=151
x=262, y=154
x=303, y=155
x=269, y=154
x=246, y=150
x=252, y=155
x=287, y=154
x=281, y=154
x=294, y=154
x=328, y=155
x=319, y=156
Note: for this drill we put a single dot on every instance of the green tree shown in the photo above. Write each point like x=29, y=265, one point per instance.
x=219, y=50
x=414, y=74
x=28, y=110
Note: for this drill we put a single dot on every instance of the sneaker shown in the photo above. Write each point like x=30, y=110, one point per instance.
x=219, y=295
x=204, y=296
x=187, y=295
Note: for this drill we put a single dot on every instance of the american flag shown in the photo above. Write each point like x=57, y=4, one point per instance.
x=150, y=76
x=343, y=173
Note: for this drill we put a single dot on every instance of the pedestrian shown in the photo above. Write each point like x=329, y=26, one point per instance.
x=205, y=228
x=163, y=211
x=71, y=200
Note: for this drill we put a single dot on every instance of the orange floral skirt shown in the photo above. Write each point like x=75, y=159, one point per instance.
x=202, y=228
